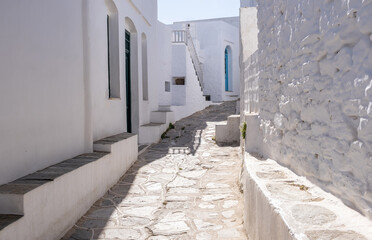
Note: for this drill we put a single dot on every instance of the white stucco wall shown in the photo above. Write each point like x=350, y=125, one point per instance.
x=211, y=37
x=54, y=78
x=163, y=63
x=42, y=91
x=315, y=76
x=194, y=99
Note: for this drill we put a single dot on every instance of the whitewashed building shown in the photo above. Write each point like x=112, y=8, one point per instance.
x=306, y=105
x=82, y=83
x=216, y=45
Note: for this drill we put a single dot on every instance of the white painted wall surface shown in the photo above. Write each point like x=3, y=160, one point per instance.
x=54, y=71
x=164, y=63
x=42, y=91
x=314, y=63
x=195, y=101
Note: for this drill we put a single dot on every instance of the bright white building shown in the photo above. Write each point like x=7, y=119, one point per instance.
x=72, y=73
x=216, y=44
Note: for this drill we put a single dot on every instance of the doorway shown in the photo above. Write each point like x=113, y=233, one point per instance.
x=128, y=81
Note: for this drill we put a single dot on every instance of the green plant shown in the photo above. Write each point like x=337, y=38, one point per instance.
x=243, y=129
x=171, y=126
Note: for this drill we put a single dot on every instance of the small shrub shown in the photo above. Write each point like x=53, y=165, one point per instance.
x=171, y=126
x=243, y=130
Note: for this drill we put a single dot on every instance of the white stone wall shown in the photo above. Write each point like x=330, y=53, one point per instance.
x=315, y=73
x=250, y=99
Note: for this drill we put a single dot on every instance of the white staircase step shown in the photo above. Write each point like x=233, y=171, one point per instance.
x=162, y=117
x=151, y=132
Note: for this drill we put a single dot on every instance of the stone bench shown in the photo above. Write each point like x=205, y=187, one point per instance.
x=281, y=205
x=46, y=204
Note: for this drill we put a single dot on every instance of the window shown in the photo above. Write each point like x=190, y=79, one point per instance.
x=179, y=81
x=113, y=67
x=167, y=86
x=145, y=83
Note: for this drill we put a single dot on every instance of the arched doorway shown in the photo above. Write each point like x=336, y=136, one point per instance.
x=228, y=69
x=131, y=76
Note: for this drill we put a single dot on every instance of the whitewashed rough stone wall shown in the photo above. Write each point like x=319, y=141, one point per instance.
x=315, y=73
x=251, y=85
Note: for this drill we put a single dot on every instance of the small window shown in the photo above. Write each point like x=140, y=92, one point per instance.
x=113, y=67
x=167, y=86
x=179, y=81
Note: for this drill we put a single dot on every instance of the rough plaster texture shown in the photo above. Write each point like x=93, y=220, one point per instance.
x=315, y=78
x=248, y=58
x=248, y=3
x=281, y=205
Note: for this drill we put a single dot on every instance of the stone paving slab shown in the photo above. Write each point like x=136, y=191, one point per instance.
x=184, y=187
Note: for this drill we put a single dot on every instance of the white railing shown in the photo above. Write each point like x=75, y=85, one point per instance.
x=184, y=36
x=179, y=36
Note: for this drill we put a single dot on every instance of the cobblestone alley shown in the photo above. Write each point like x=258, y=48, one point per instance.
x=184, y=187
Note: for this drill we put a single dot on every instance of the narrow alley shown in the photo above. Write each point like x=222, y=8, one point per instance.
x=184, y=187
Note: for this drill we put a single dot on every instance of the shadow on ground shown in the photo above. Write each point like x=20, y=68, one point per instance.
x=186, y=139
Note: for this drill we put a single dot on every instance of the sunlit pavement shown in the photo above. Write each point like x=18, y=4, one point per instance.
x=185, y=187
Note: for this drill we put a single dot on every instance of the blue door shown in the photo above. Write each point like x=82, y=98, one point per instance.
x=226, y=70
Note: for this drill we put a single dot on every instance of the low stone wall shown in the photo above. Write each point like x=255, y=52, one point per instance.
x=50, y=201
x=283, y=206
x=314, y=66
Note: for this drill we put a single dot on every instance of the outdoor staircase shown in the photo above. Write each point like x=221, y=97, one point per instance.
x=184, y=36
x=159, y=121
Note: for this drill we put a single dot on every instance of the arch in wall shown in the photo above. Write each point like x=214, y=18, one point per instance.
x=228, y=69
x=113, y=54
x=131, y=75
x=145, y=83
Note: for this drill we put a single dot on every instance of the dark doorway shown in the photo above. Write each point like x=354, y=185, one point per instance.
x=128, y=81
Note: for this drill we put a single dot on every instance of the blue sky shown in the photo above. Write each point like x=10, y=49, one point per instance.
x=182, y=10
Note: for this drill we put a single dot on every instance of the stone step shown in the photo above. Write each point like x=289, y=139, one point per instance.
x=162, y=116
x=12, y=194
x=229, y=131
x=151, y=132
x=8, y=219
x=165, y=108
x=52, y=199
x=105, y=145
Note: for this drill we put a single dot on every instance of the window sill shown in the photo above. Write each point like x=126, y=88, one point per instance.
x=114, y=99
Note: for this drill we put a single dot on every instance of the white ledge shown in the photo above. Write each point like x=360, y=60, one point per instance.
x=281, y=205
